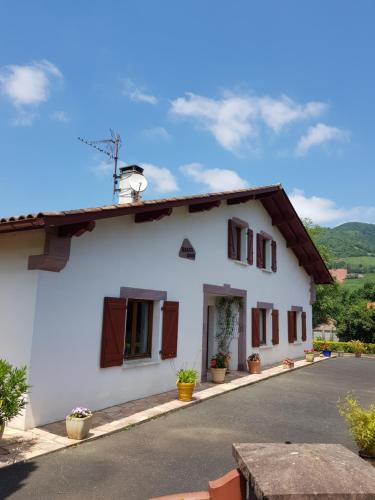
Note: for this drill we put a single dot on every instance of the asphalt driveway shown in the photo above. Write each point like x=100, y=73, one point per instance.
x=181, y=451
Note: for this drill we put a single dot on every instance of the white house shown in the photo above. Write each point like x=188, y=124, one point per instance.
x=104, y=304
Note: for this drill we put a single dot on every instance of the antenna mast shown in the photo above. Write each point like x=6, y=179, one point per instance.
x=109, y=147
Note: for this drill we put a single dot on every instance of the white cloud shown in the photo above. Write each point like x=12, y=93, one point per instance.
x=24, y=118
x=29, y=84
x=234, y=119
x=137, y=94
x=325, y=211
x=319, y=134
x=59, y=116
x=157, y=133
x=214, y=179
x=103, y=168
x=161, y=179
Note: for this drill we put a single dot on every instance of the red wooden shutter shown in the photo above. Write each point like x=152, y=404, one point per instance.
x=113, y=332
x=291, y=326
x=250, y=251
x=232, y=240
x=260, y=256
x=255, y=327
x=170, y=330
x=303, y=315
x=275, y=326
x=274, y=256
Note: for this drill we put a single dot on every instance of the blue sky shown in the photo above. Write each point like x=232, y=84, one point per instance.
x=206, y=95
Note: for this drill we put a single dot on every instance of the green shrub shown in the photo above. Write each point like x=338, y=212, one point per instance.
x=361, y=422
x=342, y=346
x=13, y=391
x=187, y=376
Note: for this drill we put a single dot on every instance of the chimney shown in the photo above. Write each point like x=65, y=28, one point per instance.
x=132, y=183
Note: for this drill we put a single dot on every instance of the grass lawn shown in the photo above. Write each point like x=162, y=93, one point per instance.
x=353, y=284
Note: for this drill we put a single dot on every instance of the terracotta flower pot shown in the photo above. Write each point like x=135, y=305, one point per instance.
x=2, y=427
x=218, y=375
x=309, y=357
x=254, y=367
x=78, y=428
x=185, y=391
x=358, y=354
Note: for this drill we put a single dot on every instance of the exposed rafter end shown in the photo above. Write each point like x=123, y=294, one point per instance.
x=243, y=199
x=283, y=219
x=307, y=262
x=152, y=216
x=76, y=229
x=297, y=243
x=203, y=207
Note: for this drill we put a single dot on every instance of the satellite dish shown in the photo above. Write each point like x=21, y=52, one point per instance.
x=138, y=183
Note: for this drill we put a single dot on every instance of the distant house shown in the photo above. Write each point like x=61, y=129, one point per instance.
x=104, y=304
x=326, y=331
x=339, y=274
x=371, y=305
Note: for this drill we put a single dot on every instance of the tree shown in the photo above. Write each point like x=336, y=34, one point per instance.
x=357, y=322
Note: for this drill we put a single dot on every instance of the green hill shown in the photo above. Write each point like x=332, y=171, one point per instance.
x=352, y=239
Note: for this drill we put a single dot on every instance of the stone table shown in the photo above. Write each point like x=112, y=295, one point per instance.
x=304, y=471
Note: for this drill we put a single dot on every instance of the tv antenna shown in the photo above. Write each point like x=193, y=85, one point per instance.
x=109, y=147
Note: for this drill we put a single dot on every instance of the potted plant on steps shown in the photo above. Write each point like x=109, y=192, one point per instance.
x=361, y=423
x=253, y=363
x=78, y=423
x=357, y=347
x=218, y=368
x=309, y=355
x=13, y=392
x=186, y=380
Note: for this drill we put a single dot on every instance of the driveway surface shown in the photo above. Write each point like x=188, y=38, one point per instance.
x=182, y=450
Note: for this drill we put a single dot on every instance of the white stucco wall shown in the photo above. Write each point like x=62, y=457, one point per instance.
x=18, y=290
x=65, y=355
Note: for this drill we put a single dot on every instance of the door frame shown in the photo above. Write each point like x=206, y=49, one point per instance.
x=224, y=291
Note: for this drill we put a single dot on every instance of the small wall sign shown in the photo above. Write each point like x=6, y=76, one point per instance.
x=187, y=250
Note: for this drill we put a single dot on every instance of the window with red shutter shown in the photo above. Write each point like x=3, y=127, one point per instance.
x=274, y=256
x=303, y=317
x=260, y=250
x=275, y=326
x=113, y=332
x=255, y=327
x=232, y=240
x=292, y=326
x=169, y=330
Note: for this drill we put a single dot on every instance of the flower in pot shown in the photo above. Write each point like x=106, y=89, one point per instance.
x=218, y=367
x=78, y=423
x=309, y=355
x=13, y=392
x=357, y=347
x=326, y=351
x=361, y=423
x=288, y=363
x=186, y=380
x=253, y=363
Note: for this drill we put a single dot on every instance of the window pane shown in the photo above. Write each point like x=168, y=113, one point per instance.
x=262, y=327
x=141, y=328
x=128, y=328
x=239, y=242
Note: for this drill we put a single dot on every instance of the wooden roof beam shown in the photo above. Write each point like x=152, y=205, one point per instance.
x=153, y=215
x=203, y=207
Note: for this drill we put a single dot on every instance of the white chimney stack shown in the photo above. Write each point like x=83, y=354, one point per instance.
x=132, y=183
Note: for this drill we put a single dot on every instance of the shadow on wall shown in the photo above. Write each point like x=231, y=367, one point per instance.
x=13, y=478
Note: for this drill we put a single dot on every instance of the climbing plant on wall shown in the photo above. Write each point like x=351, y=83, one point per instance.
x=228, y=318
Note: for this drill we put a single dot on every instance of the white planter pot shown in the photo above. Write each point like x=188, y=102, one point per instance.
x=218, y=375
x=78, y=428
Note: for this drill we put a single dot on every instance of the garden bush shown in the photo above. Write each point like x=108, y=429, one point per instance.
x=342, y=346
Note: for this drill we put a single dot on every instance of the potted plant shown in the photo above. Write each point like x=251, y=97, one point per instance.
x=326, y=351
x=218, y=368
x=309, y=355
x=186, y=380
x=13, y=392
x=78, y=423
x=253, y=363
x=357, y=347
x=288, y=363
x=361, y=423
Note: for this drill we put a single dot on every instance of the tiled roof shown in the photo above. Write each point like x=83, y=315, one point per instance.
x=273, y=198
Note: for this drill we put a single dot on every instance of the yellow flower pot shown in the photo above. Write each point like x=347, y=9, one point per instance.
x=185, y=391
